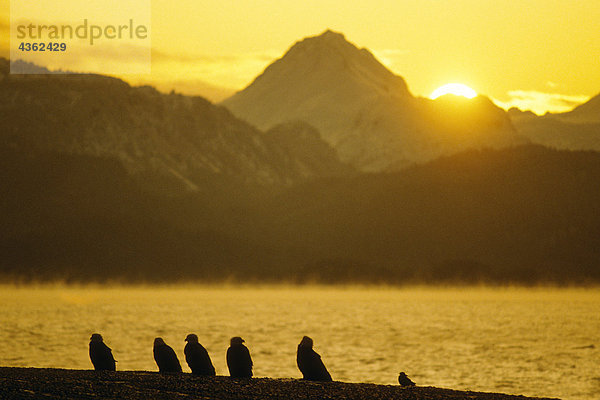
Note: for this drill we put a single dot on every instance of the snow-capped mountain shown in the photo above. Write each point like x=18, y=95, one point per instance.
x=182, y=138
x=363, y=110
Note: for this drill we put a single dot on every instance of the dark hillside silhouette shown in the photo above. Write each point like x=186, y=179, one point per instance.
x=527, y=215
x=84, y=218
x=102, y=181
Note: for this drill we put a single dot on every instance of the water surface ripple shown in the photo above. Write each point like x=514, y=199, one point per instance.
x=537, y=342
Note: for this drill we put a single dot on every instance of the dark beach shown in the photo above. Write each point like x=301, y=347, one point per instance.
x=39, y=383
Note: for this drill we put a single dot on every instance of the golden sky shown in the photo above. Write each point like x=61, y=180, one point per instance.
x=536, y=54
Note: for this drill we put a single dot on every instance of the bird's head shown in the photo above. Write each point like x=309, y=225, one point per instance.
x=96, y=337
x=236, y=340
x=306, y=341
x=192, y=338
x=159, y=341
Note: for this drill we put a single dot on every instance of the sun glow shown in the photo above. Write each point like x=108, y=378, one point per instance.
x=457, y=89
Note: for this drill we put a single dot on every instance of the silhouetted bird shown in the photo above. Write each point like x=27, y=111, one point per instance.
x=239, y=361
x=165, y=357
x=404, y=380
x=197, y=357
x=101, y=354
x=309, y=362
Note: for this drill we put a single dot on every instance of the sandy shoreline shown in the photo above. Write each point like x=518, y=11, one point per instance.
x=41, y=383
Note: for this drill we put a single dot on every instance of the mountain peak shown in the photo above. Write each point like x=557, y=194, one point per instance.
x=329, y=45
x=330, y=38
x=332, y=35
x=327, y=37
x=362, y=109
x=330, y=59
x=319, y=70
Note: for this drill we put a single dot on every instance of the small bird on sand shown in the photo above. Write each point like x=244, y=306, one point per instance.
x=101, y=354
x=404, y=380
x=197, y=357
x=309, y=362
x=165, y=357
x=239, y=361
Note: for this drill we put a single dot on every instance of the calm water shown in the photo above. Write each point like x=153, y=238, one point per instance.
x=542, y=342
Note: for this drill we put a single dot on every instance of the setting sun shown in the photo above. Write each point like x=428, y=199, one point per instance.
x=457, y=89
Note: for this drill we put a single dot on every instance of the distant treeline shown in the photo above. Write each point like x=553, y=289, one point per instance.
x=522, y=215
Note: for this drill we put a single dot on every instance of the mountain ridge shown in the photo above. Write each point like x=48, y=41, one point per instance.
x=82, y=200
x=578, y=129
x=185, y=138
x=523, y=215
x=360, y=107
x=588, y=112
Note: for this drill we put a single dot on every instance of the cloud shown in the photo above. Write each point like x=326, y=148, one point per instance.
x=192, y=87
x=541, y=102
x=229, y=70
x=161, y=56
x=215, y=77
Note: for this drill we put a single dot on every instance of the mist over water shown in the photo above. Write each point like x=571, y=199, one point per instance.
x=538, y=342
